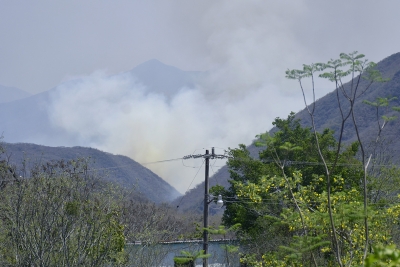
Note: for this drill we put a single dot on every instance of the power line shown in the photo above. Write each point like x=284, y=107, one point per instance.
x=224, y=156
x=213, y=165
x=127, y=165
x=287, y=163
x=160, y=161
x=189, y=186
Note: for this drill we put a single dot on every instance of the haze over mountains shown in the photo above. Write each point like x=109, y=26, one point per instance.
x=163, y=79
x=29, y=119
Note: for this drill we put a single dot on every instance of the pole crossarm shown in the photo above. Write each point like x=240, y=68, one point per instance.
x=193, y=156
x=209, y=156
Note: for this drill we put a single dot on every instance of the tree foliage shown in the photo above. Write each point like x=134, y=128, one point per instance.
x=281, y=200
x=61, y=216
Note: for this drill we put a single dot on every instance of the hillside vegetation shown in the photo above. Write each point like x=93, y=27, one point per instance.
x=121, y=170
x=67, y=213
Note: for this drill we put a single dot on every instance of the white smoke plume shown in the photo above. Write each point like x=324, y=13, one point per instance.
x=118, y=115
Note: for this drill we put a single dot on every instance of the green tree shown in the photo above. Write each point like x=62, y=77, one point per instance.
x=263, y=188
x=363, y=74
x=60, y=216
x=292, y=147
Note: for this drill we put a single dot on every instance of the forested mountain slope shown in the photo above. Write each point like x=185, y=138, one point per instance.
x=327, y=114
x=116, y=168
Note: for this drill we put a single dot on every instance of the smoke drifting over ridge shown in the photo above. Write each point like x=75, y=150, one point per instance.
x=240, y=96
x=119, y=115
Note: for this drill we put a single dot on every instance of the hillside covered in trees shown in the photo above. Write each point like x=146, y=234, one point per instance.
x=118, y=169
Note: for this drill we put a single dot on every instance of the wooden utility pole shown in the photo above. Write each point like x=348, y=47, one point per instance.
x=207, y=156
x=205, y=217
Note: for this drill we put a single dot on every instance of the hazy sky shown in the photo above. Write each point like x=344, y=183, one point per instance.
x=45, y=42
x=247, y=45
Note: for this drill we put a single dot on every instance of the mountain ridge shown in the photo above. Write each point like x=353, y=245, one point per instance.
x=9, y=94
x=118, y=169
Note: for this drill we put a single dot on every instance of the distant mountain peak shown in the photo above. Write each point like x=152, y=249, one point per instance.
x=165, y=79
x=154, y=65
x=152, y=61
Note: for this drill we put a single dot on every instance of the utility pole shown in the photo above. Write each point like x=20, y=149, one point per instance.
x=205, y=217
x=207, y=156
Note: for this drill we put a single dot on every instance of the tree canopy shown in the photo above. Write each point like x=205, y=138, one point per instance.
x=309, y=199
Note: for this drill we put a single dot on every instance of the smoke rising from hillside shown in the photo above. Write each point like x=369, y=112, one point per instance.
x=118, y=115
